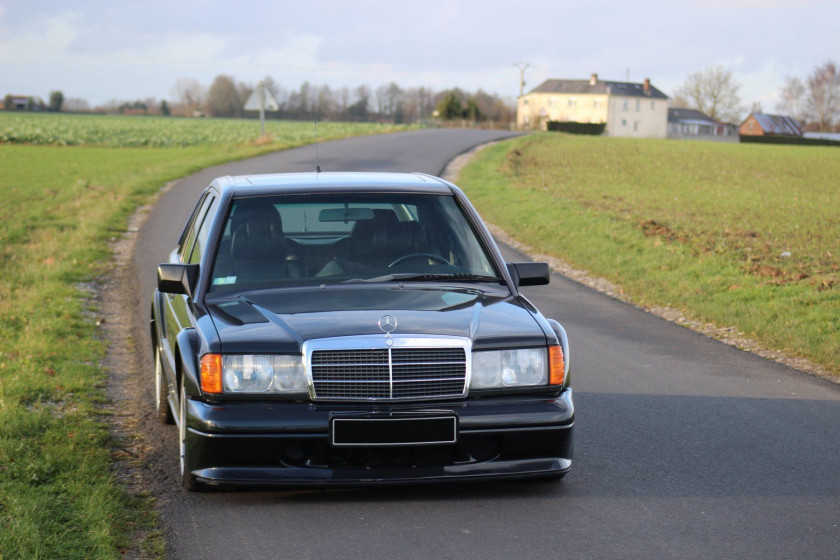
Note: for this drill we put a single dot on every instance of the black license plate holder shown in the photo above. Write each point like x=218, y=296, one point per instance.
x=393, y=431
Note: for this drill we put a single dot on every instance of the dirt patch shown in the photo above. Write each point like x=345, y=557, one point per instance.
x=652, y=228
x=136, y=451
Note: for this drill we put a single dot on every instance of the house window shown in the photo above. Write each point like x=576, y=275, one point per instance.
x=624, y=105
x=635, y=126
x=572, y=102
x=623, y=122
x=638, y=105
x=652, y=105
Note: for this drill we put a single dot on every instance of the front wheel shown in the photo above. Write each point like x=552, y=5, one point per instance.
x=164, y=413
x=188, y=481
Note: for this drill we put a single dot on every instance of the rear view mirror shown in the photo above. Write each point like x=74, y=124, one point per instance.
x=529, y=274
x=345, y=214
x=178, y=278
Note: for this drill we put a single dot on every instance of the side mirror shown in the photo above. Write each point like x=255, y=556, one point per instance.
x=529, y=274
x=178, y=278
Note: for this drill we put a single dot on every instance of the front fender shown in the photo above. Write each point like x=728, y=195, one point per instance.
x=189, y=375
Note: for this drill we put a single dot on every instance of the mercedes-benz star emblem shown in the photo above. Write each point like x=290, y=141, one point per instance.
x=387, y=323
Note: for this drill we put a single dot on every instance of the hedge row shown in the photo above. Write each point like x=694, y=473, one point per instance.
x=798, y=140
x=594, y=129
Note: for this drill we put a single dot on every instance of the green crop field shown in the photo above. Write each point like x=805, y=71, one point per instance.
x=135, y=131
x=61, y=205
x=744, y=236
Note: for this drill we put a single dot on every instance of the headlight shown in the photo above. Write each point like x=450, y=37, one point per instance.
x=263, y=374
x=509, y=368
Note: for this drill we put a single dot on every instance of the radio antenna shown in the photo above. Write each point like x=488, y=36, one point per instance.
x=317, y=161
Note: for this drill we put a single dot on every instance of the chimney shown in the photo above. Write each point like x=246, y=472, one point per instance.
x=647, y=86
x=593, y=79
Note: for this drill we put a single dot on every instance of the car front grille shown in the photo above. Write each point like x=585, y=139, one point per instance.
x=401, y=373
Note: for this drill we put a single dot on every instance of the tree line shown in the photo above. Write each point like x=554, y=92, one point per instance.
x=224, y=97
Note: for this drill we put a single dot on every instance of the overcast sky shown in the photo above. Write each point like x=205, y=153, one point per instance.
x=126, y=50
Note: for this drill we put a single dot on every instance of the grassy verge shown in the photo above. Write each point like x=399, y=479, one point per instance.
x=738, y=235
x=59, y=209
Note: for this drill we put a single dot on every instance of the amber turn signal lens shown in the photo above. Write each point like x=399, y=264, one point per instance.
x=556, y=365
x=211, y=373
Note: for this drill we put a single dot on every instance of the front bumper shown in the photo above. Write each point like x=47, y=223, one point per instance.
x=283, y=443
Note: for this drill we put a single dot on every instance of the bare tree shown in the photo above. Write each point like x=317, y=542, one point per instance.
x=714, y=91
x=823, y=99
x=278, y=93
x=388, y=98
x=343, y=99
x=324, y=105
x=792, y=98
x=190, y=94
x=223, y=98
x=76, y=105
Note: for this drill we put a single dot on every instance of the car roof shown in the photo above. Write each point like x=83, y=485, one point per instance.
x=324, y=182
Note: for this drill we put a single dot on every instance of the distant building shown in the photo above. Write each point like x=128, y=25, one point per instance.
x=626, y=108
x=23, y=103
x=759, y=124
x=691, y=124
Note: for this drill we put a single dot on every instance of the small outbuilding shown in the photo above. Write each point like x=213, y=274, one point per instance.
x=760, y=124
x=23, y=103
x=691, y=124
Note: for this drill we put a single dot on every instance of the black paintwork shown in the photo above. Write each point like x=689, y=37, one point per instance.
x=257, y=439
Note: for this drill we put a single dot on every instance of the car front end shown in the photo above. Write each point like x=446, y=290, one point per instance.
x=344, y=329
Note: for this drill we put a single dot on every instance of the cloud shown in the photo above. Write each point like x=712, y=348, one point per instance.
x=46, y=37
x=101, y=50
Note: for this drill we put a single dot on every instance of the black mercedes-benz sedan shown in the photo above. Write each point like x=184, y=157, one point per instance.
x=354, y=328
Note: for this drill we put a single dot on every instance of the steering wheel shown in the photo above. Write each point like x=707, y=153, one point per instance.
x=412, y=256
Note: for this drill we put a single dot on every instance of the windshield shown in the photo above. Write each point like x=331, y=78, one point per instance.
x=297, y=239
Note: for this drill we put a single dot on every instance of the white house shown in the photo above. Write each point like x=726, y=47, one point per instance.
x=625, y=108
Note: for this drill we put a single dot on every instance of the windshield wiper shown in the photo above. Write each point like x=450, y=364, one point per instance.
x=414, y=277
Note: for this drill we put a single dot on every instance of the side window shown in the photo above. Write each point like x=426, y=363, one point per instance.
x=203, y=233
x=189, y=237
x=186, y=234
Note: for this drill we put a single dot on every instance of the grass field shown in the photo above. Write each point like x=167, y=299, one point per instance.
x=738, y=235
x=120, y=131
x=60, y=208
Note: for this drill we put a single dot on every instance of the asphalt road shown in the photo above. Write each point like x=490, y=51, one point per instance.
x=685, y=447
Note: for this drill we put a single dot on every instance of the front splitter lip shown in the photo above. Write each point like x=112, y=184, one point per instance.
x=279, y=477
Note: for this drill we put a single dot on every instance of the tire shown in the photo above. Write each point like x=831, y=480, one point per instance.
x=188, y=481
x=164, y=413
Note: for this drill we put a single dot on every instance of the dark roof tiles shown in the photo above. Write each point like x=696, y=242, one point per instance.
x=627, y=89
x=677, y=114
x=778, y=124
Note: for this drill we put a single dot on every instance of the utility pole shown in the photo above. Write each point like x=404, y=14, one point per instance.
x=522, y=67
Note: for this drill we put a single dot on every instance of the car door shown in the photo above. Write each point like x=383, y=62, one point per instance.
x=176, y=310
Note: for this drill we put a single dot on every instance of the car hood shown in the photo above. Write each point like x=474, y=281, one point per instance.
x=282, y=320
